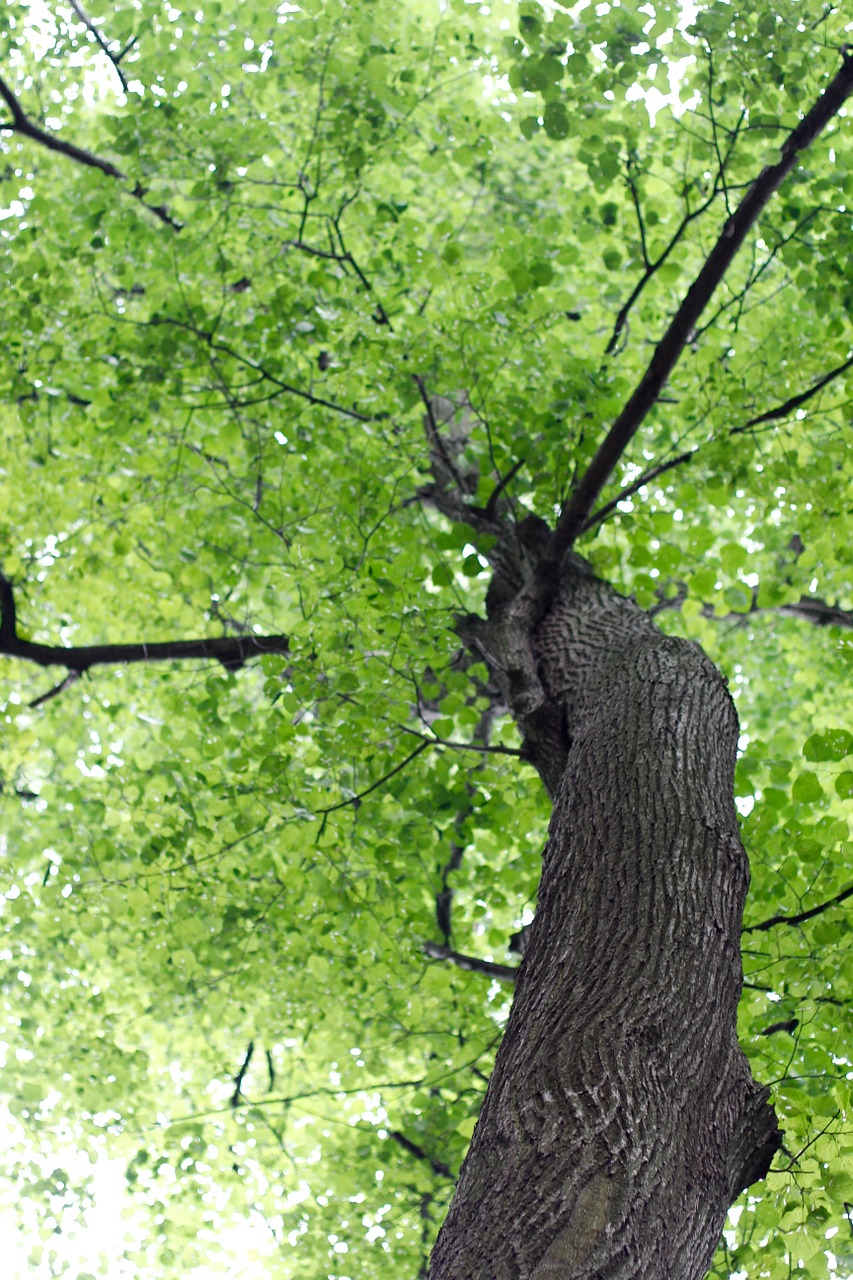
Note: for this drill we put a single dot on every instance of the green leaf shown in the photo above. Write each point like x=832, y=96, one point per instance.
x=807, y=788
x=832, y=744
x=556, y=121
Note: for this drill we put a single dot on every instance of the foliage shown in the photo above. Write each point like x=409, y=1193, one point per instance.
x=214, y=385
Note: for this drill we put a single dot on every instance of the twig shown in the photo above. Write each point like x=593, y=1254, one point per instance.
x=576, y=511
x=646, y=478
x=434, y=437
x=490, y=509
x=482, y=748
x=814, y=610
x=101, y=42
x=819, y=612
x=206, y=336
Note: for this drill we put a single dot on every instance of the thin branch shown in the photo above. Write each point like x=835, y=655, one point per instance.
x=231, y=651
x=787, y=1024
x=576, y=511
x=770, y=415
x=481, y=747
x=652, y=267
x=344, y=257
x=386, y=777
x=635, y=200
x=502, y=972
x=22, y=124
x=646, y=478
x=100, y=41
x=325, y=1092
x=758, y=986
x=794, y=402
x=56, y=690
x=814, y=610
x=206, y=336
x=801, y=916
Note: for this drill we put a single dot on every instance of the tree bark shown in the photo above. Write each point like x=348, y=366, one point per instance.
x=621, y=1119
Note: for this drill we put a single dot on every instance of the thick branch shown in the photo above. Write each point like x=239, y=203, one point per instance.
x=817, y=611
x=668, y=351
x=503, y=972
x=231, y=651
x=22, y=124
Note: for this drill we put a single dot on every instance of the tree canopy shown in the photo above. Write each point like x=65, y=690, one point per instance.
x=294, y=297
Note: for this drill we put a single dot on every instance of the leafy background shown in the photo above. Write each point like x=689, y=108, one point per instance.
x=219, y=430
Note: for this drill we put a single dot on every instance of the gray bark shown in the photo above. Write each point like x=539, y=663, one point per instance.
x=622, y=1119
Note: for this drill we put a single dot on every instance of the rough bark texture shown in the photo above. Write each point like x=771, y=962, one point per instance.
x=622, y=1118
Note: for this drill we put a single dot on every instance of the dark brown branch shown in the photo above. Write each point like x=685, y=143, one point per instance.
x=56, y=690
x=788, y=1024
x=22, y=124
x=641, y=226
x=814, y=610
x=801, y=916
x=770, y=415
x=502, y=972
x=651, y=268
x=206, y=336
x=437, y=1166
x=386, y=777
x=241, y=1075
x=794, y=402
x=646, y=478
x=231, y=651
x=480, y=747
x=760, y=986
x=668, y=351
x=436, y=443
x=491, y=507
x=344, y=258
x=8, y=614
x=100, y=41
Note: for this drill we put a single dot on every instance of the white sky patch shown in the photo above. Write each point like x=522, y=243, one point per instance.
x=113, y=1224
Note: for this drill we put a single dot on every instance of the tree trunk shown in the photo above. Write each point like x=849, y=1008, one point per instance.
x=621, y=1119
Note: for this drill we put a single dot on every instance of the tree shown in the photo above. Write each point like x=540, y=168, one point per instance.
x=419, y=389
